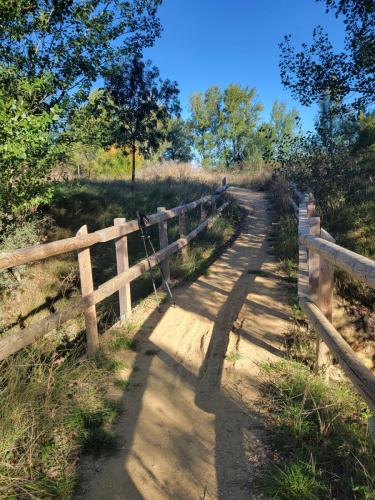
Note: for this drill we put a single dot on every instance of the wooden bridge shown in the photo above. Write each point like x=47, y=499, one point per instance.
x=190, y=426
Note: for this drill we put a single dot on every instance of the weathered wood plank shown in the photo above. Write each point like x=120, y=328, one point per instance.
x=87, y=287
x=358, y=266
x=313, y=260
x=13, y=343
x=46, y=250
x=362, y=379
x=163, y=241
x=122, y=261
x=182, y=225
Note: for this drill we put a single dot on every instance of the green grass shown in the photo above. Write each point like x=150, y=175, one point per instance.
x=50, y=410
x=54, y=402
x=321, y=431
x=97, y=203
x=233, y=356
x=296, y=480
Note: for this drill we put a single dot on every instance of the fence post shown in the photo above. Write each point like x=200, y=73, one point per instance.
x=87, y=286
x=203, y=211
x=310, y=205
x=313, y=260
x=183, y=234
x=122, y=259
x=163, y=239
x=213, y=204
x=325, y=303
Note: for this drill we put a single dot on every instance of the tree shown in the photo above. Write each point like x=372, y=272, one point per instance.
x=140, y=105
x=71, y=41
x=240, y=116
x=274, y=137
x=317, y=70
x=26, y=148
x=50, y=53
x=224, y=123
x=179, y=141
x=205, y=122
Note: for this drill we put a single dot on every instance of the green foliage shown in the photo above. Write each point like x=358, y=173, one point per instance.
x=297, y=480
x=205, y=123
x=26, y=151
x=336, y=163
x=285, y=242
x=319, y=70
x=321, y=429
x=140, y=105
x=50, y=54
x=179, y=141
x=95, y=163
x=226, y=131
x=273, y=138
x=240, y=116
x=71, y=40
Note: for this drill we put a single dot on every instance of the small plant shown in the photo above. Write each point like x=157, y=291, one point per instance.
x=296, y=480
x=121, y=384
x=233, y=356
x=123, y=342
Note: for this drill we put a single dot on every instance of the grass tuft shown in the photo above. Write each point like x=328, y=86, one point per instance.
x=296, y=480
x=318, y=423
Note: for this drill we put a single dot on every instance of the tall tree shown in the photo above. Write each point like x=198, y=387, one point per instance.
x=71, y=41
x=275, y=136
x=205, y=122
x=318, y=70
x=50, y=53
x=140, y=104
x=240, y=117
x=179, y=141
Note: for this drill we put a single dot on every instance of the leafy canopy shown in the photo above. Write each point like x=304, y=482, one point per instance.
x=319, y=70
x=71, y=40
x=139, y=104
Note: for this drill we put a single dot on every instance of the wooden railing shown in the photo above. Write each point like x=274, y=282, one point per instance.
x=125, y=274
x=318, y=255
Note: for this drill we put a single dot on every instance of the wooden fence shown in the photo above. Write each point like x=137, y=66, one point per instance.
x=318, y=255
x=125, y=274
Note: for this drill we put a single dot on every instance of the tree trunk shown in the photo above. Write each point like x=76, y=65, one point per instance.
x=133, y=162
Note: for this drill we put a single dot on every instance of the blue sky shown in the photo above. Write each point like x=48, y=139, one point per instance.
x=216, y=42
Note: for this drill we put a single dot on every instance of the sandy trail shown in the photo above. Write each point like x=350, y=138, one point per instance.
x=189, y=429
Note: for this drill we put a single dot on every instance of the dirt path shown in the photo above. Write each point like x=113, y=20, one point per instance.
x=190, y=429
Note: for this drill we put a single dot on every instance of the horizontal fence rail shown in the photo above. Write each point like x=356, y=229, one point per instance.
x=39, y=252
x=90, y=297
x=318, y=255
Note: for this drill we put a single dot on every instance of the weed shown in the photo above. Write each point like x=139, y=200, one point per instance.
x=296, y=480
x=233, y=356
x=121, y=384
x=123, y=342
